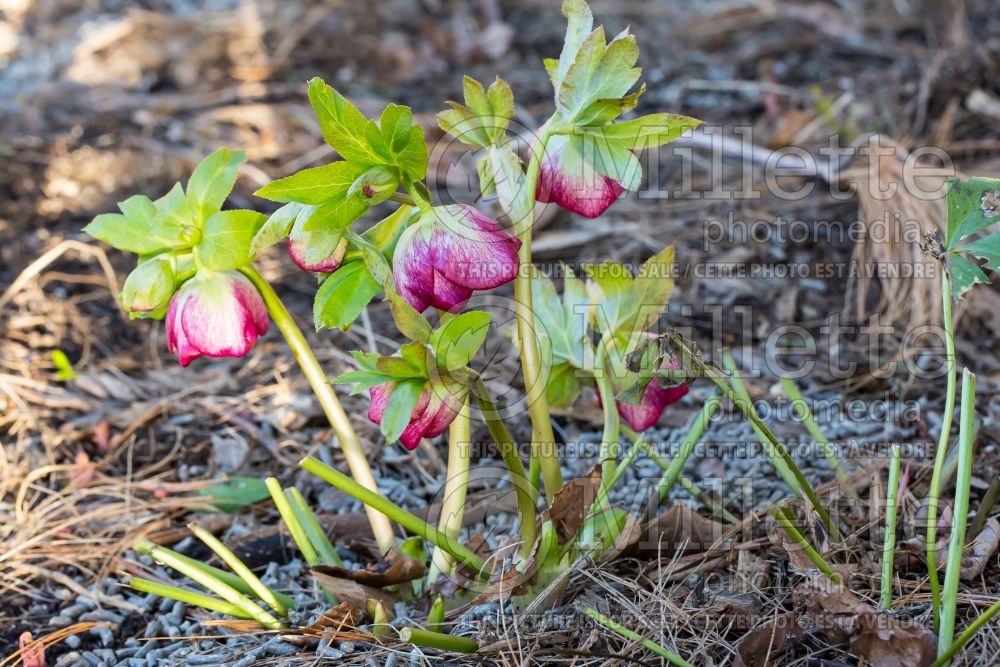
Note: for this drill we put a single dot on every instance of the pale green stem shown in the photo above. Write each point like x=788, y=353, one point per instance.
x=543, y=441
x=967, y=634
x=693, y=437
x=617, y=628
x=960, y=514
x=934, y=493
x=188, y=597
x=223, y=590
x=612, y=422
x=524, y=490
x=788, y=525
x=239, y=568
x=746, y=406
x=146, y=547
x=295, y=528
x=313, y=530
x=409, y=521
x=435, y=617
x=889, y=545
x=776, y=448
x=438, y=640
x=350, y=444
x=455, y=486
x=801, y=408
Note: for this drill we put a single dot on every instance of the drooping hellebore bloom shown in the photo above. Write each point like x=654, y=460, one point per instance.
x=655, y=400
x=434, y=411
x=298, y=246
x=215, y=314
x=450, y=252
x=569, y=179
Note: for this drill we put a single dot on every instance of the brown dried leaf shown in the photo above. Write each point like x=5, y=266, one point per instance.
x=835, y=608
x=679, y=528
x=981, y=550
x=763, y=645
x=343, y=617
x=890, y=642
x=350, y=592
x=571, y=504
x=397, y=569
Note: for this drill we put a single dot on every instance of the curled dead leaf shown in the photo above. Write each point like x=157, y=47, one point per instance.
x=979, y=552
x=679, y=529
x=397, y=569
x=763, y=645
x=572, y=503
x=890, y=642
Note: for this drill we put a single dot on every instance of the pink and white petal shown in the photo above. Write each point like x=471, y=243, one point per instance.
x=379, y=399
x=297, y=251
x=448, y=408
x=473, y=250
x=449, y=295
x=252, y=302
x=177, y=341
x=414, y=431
x=413, y=268
x=214, y=321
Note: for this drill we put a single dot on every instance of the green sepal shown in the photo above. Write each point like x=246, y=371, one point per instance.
x=456, y=342
x=403, y=399
x=227, y=238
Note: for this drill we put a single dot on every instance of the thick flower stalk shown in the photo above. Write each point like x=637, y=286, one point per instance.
x=215, y=314
x=450, y=252
x=569, y=178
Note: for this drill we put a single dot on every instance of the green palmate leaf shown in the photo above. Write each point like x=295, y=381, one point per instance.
x=484, y=118
x=600, y=71
x=987, y=248
x=973, y=205
x=457, y=341
x=227, y=237
x=646, y=131
x=418, y=356
x=212, y=181
x=373, y=258
x=174, y=213
x=580, y=21
x=603, y=111
x=143, y=227
x=315, y=185
x=566, y=381
x=402, y=400
x=652, y=288
x=343, y=295
x=278, y=225
x=565, y=320
x=324, y=229
x=508, y=181
x=410, y=322
x=610, y=289
x=964, y=274
x=343, y=126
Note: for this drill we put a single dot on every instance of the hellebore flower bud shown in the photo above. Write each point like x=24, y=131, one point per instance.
x=299, y=244
x=450, y=252
x=569, y=179
x=148, y=289
x=434, y=411
x=215, y=314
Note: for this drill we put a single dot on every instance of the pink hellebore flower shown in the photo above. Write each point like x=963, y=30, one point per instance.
x=430, y=417
x=449, y=252
x=298, y=243
x=655, y=400
x=215, y=314
x=568, y=179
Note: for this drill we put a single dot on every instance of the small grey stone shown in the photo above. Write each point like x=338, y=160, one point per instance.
x=60, y=621
x=68, y=659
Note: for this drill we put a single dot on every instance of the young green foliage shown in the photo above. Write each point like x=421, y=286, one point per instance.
x=973, y=205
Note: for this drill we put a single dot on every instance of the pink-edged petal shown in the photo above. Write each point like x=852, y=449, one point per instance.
x=414, y=431
x=379, y=400
x=654, y=401
x=177, y=341
x=221, y=315
x=448, y=295
x=413, y=268
x=574, y=185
